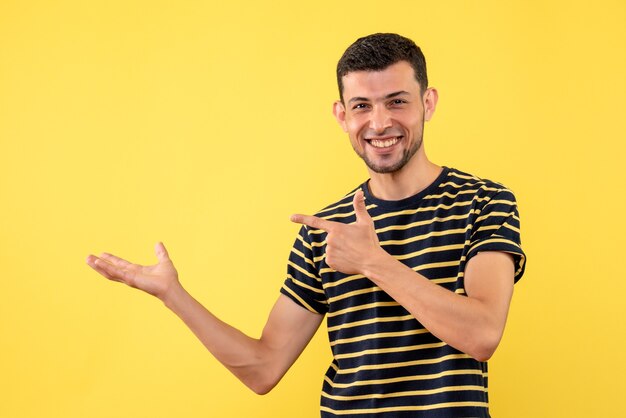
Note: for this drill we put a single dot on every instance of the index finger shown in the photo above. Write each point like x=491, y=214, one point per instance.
x=115, y=260
x=313, y=222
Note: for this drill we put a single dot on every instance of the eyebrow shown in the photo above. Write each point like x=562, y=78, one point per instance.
x=389, y=96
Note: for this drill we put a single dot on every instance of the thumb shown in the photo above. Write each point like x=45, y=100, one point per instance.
x=161, y=252
x=359, y=207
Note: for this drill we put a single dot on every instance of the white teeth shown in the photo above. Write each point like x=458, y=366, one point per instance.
x=380, y=143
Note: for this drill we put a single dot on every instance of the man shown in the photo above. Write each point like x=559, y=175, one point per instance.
x=414, y=269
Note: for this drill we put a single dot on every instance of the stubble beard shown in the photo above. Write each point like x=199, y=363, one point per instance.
x=407, y=154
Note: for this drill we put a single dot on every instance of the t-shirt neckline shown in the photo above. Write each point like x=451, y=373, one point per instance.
x=408, y=201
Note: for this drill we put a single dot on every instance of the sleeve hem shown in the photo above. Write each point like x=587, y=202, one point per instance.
x=501, y=245
x=309, y=305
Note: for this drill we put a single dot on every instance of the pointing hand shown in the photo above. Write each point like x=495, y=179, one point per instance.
x=350, y=249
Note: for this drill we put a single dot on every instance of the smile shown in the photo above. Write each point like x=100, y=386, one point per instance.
x=384, y=143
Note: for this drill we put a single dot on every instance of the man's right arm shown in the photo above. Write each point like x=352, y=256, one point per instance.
x=258, y=363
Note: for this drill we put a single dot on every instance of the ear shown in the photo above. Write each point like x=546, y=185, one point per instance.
x=430, y=102
x=339, y=110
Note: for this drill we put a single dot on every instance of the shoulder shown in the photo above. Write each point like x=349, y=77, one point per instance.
x=341, y=210
x=480, y=188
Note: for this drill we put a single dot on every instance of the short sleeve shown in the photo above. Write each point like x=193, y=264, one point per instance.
x=497, y=228
x=303, y=284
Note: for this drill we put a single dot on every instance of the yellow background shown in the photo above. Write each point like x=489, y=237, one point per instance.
x=203, y=125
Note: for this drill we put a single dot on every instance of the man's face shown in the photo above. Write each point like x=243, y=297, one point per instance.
x=383, y=113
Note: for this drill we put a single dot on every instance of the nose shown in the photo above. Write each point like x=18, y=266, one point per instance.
x=380, y=119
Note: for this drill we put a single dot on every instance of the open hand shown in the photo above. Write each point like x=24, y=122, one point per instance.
x=155, y=280
x=349, y=248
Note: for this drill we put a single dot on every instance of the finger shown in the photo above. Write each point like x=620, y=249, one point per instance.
x=109, y=271
x=359, y=207
x=116, y=261
x=91, y=262
x=313, y=222
x=161, y=252
x=96, y=264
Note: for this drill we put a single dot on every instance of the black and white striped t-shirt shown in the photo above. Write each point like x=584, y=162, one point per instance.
x=384, y=362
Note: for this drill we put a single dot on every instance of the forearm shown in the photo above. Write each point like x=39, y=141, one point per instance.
x=245, y=357
x=466, y=323
x=258, y=363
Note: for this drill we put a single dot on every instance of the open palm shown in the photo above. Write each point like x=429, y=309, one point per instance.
x=155, y=279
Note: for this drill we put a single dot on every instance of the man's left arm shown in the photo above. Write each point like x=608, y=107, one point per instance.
x=473, y=324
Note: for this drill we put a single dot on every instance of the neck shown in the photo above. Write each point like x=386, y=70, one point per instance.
x=411, y=179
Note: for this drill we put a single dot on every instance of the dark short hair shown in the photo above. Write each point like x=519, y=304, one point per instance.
x=377, y=52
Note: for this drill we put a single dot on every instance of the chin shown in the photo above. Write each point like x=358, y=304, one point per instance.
x=389, y=167
x=385, y=169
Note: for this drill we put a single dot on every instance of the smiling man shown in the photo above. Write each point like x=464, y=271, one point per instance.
x=413, y=269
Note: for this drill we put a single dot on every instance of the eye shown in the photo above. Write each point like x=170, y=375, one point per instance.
x=359, y=106
x=398, y=102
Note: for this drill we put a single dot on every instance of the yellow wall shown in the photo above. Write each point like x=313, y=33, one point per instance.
x=205, y=126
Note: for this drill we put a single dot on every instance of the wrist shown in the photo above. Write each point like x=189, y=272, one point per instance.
x=173, y=295
x=376, y=264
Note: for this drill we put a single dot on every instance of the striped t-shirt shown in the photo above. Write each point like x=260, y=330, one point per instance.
x=384, y=362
